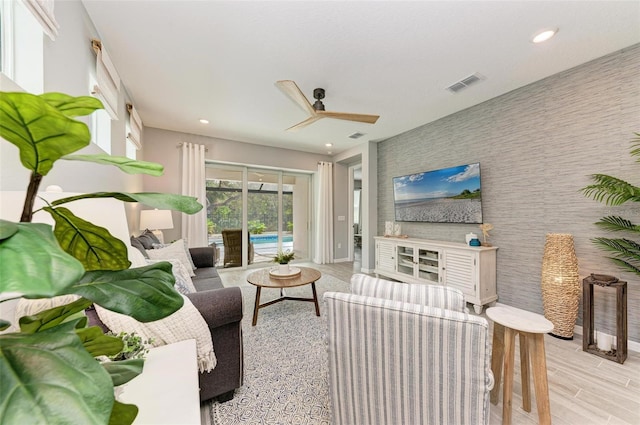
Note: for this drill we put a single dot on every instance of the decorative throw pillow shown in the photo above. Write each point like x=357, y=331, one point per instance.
x=173, y=251
x=136, y=258
x=135, y=242
x=28, y=307
x=184, y=284
x=147, y=239
x=186, y=249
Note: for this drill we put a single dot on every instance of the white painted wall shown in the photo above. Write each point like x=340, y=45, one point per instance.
x=162, y=146
x=537, y=147
x=68, y=63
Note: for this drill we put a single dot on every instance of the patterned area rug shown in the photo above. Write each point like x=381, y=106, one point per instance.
x=285, y=376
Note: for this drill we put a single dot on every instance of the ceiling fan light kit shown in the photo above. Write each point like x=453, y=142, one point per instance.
x=317, y=110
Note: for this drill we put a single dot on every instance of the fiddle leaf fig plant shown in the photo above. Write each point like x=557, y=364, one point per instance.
x=48, y=369
x=625, y=252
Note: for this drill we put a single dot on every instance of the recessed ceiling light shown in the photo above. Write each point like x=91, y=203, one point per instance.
x=328, y=145
x=544, y=35
x=203, y=121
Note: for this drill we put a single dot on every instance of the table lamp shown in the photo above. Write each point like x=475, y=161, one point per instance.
x=155, y=220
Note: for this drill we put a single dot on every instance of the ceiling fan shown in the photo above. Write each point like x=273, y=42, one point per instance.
x=316, y=111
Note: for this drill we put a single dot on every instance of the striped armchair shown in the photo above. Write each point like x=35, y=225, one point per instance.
x=394, y=360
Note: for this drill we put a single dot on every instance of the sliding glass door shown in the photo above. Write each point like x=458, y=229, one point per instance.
x=276, y=219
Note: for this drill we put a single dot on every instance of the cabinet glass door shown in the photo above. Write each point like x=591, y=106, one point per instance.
x=428, y=265
x=404, y=260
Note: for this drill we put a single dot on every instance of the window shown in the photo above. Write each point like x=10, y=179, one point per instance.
x=131, y=150
x=101, y=130
x=22, y=44
x=272, y=205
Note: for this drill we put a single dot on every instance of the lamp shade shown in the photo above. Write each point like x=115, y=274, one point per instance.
x=156, y=219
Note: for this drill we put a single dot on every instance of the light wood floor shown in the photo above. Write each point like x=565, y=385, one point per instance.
x=583, y=388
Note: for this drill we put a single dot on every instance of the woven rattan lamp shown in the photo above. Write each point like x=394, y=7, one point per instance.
x=560, y=284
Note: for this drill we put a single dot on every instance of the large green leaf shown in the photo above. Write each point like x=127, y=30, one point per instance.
x=99, y=344
x=615, y=223
x=611, y=190
x=124, y=371
x=53, y=317
x=92, y=245
x=33, y=264
x=49, y=378
x=41, y=132
x=4, y=324
x=186, y=204
x=128, y=165
x=123, y=414
x=7, y=229
x=144, y=293
x=72, y=106
x=626, y=252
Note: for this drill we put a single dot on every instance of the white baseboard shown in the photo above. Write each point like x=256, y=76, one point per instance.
x=631, y=345
x=341, y=260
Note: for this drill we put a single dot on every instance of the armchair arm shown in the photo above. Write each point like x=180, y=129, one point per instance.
x=218, y=307
x=204, y=256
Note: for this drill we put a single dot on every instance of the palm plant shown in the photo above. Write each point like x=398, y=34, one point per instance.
x=613, y=191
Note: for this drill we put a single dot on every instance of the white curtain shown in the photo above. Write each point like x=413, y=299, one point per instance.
x=194, y=226
x=324, y=215
x=42, y=10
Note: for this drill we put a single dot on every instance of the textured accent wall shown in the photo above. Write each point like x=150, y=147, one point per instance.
x=536, y=147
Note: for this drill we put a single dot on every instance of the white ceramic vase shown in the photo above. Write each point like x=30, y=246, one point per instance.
x=283, y=269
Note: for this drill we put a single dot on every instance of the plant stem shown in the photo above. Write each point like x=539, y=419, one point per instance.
x=32, y=191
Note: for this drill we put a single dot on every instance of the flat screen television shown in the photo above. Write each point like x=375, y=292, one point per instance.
x=449, y=195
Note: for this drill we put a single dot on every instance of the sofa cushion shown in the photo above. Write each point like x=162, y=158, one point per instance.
x=206, y=279
x=176, y=251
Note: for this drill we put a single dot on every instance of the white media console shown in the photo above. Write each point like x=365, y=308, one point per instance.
x=468, y=268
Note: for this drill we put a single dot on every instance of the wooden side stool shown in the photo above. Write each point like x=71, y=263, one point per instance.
x=531, y=327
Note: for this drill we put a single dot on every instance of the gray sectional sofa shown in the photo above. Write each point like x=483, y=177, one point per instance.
x=221, y=309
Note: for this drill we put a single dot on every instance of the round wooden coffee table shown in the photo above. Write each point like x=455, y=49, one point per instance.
x=262, y=279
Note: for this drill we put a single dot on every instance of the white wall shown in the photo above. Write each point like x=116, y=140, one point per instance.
x=68, y=63
x=162, y=146
x=367, y=154
x=537, y=147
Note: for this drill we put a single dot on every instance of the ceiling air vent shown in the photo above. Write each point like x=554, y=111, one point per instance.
x=465, y=82
x=356, y=135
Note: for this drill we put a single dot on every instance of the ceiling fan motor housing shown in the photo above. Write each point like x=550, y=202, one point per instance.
x=318, y=94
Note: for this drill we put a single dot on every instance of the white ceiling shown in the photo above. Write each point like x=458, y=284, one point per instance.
x=185, y=60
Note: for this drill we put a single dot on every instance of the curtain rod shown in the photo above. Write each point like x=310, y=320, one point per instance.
x=181, y=143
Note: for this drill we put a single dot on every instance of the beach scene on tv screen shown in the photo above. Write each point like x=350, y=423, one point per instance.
x=449, y=195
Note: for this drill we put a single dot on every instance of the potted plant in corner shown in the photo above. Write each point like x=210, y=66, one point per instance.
x=74, y=257
x=283, y=258
x=612, y=191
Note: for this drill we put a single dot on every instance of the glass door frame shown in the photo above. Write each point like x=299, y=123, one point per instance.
x=246, y=169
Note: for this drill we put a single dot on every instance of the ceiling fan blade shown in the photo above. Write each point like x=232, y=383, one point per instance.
x=369, y=119
x=310, y=120
x=292, y=90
